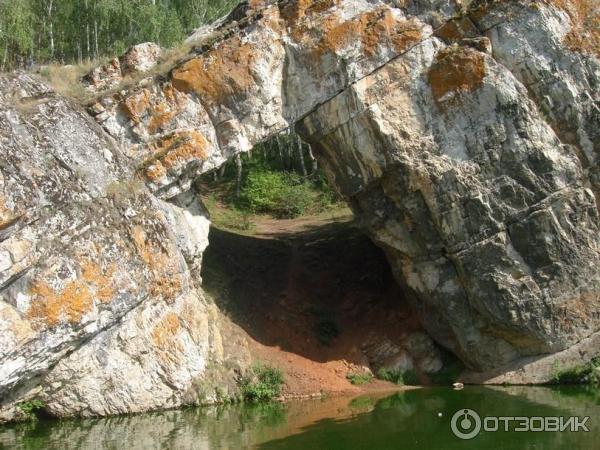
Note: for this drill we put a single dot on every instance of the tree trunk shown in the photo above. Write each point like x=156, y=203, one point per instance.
x=4, y=58
x=87, y=36
x=315, y=164
x=238, y=175
x=301, y=155
x=51, y=27
x=278, y=143
x=95, y=39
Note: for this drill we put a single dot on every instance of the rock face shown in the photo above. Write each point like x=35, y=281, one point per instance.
x=137, y=60
x=465, y=138
x=98, y=300
x=140, y=58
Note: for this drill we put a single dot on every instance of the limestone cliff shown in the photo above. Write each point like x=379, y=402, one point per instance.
x=464, y=135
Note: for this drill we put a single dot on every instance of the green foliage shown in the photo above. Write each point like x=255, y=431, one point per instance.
x=359, y=379
x=31, y=408
x=45, y=31
x=282, y=194
x=406, y=377
x=16, y=32
x=273, y=181
x=393, y=376
x=581, y=374
x=264, y=384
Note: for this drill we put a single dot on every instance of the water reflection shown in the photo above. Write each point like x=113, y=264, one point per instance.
x=412, y=419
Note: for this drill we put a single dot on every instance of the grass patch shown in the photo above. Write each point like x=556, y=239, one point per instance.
x=66, y=80
x=402, y=377
x=263, y=384
x=358, y=379
x=231, y=218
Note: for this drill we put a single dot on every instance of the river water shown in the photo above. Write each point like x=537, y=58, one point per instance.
x=414, y=419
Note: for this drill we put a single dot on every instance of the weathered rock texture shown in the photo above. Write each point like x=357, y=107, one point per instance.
x=136, y=60
x=99, y=311
x=464, y=135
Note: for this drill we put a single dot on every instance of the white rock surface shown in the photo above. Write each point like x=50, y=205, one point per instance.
x=476, y=172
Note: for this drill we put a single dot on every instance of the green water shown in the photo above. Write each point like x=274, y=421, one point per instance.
x=416, y=419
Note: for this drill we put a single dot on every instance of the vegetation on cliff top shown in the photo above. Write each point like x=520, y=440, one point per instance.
x=36, y=32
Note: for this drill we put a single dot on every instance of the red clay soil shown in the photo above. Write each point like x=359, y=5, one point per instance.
x=308, y=298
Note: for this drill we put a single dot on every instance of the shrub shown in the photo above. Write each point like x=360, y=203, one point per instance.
x=31, y=408
x=262, y=191
x=295, y=199
x=285, y=195
x=588, y=373
x=359, y=379
x=393, y=376
x=264, y=384
x=408, y=377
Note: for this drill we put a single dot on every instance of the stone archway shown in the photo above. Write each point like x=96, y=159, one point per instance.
x=469, y=158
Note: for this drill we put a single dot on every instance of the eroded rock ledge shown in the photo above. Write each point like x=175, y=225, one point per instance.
x=464, y=135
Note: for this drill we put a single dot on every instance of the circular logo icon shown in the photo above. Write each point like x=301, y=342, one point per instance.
x=466, y=424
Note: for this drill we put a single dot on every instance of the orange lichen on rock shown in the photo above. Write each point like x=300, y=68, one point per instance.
x=173, y=150
x=183, y=147
x=585, y=19
x=456, y=69
x=6, y=215
x=161, y=113
x=136, y=105
x=75, y=299
x=166, y=328
x=157, y=109
x=254, y=4
x=100, y=279
x=164, y=337
x=155, y=172
x=456, y=29
x=165, y=281
x=293, y=12
x=374, y=29
x=220, y=74
x=50, y=307
x=160, y=117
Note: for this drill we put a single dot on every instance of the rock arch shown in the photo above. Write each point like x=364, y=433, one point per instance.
x=464, y=138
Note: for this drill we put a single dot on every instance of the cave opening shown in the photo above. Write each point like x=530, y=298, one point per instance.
x=302, y=287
